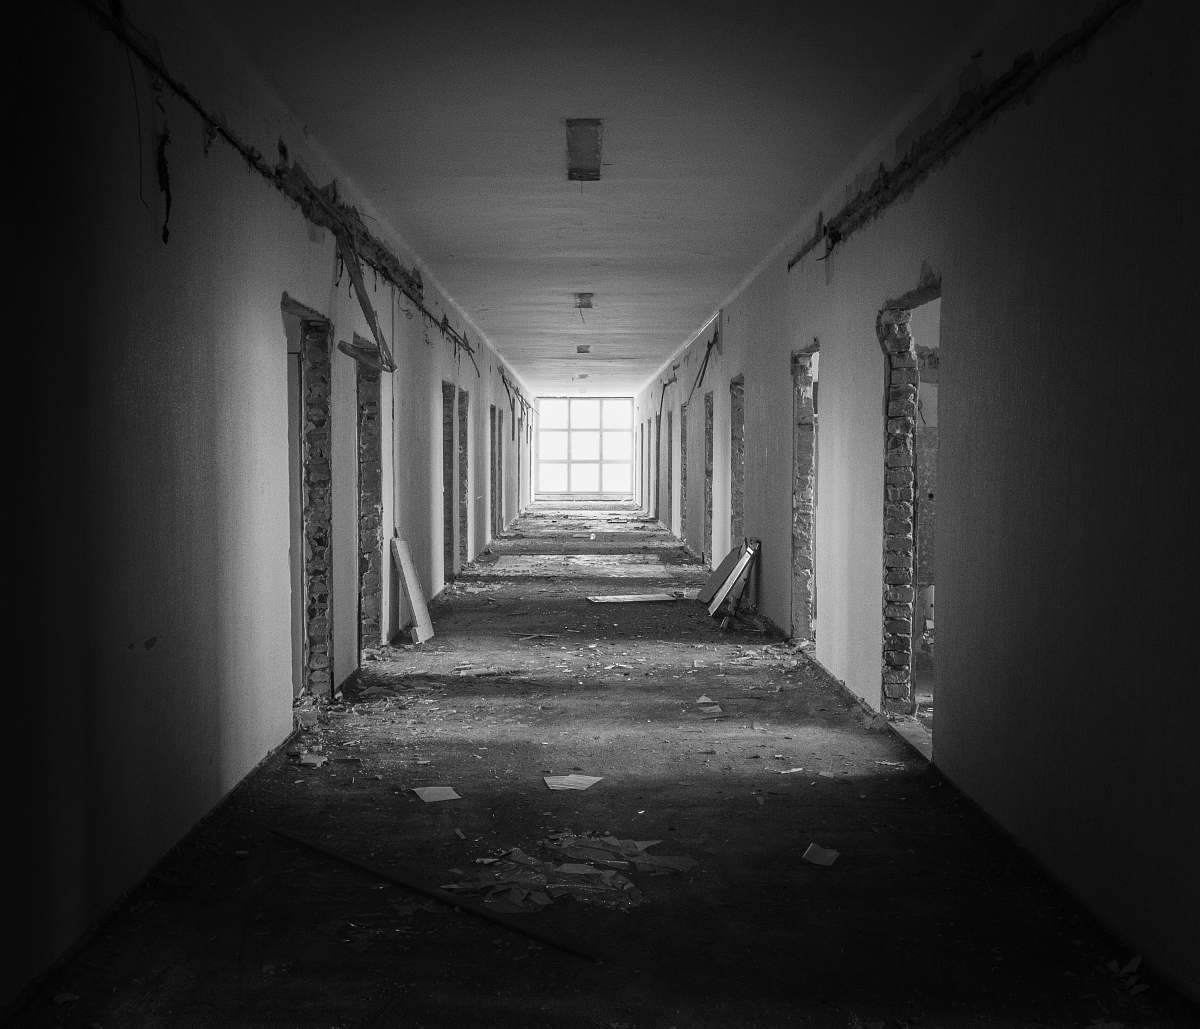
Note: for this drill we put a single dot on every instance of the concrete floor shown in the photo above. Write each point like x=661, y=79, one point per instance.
x=928, y=918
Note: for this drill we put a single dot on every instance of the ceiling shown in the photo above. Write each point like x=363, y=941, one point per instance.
x=723, y=124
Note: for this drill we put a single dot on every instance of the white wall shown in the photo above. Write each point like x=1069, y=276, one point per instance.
x=155, y=666
x=1065, y=386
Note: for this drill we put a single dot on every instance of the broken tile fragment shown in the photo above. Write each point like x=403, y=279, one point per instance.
x=818, y=855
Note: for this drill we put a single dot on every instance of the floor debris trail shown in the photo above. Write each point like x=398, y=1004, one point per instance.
x=630, y=782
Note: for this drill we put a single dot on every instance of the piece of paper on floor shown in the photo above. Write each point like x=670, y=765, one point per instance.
x=315, y=760
x=572, y=781
x=431, y=794
x=818, y=855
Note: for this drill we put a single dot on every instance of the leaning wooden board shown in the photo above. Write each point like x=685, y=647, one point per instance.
x=717, y=579
x=739, y=570
x=422, y=628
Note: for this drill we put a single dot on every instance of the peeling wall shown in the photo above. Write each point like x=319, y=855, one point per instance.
x=157, y=665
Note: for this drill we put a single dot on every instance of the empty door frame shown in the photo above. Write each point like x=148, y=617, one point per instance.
x=316, y=492
x=463, y=450
x=448, y=482
x=804, y=475
x=900, y=420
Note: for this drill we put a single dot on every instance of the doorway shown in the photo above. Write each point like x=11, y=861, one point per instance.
x=670, y=471
x=910, y=335
x=925, y=327
x=448, y=509
x=295, y=509
x=804, y=493
x=708, y=479
x=464, y=480
x=737, y=459
x=310, y=501
x=683, y=466
x=495, y=469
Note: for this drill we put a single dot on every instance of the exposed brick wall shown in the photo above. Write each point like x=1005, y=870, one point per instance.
x=737, y=459
x=804, y=451
x=317, y=506
x=898, y=540
x=708, y=477
x=370, y=509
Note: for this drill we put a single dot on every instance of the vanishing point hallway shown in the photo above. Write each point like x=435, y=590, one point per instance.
x=731, y=749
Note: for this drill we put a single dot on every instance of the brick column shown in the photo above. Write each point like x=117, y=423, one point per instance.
x=317, y=510
x=898, y=589
x=370, y=509
x=804, y=442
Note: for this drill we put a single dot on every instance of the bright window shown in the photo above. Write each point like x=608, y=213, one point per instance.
x=585, y=445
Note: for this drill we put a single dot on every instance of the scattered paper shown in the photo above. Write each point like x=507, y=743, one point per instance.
x=790, y=771
x=432, y=794
x=817, y=855
x=571, y=782
x=314, y=760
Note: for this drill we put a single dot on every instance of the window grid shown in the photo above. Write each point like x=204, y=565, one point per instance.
x=604, y=474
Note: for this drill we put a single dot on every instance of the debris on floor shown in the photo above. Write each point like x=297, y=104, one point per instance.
x=572, y=781
x=229, y=929
x=517, y=882
x=616, y=853
x=432, y=794
x=818, y=855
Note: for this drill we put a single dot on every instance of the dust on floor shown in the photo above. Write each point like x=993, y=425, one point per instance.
x=679, y=875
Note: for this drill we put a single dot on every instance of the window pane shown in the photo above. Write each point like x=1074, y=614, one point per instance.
x=552, y=478
x=617, y=446
x=552, y=446
x=618, y=414
x=585, y=414
x=585, y=478
x=617, y=478
x=552, y=414
x=585, y=446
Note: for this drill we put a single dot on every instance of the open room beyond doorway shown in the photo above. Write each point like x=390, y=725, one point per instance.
x=584, y=448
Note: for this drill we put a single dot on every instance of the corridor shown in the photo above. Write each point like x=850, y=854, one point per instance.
x=733, y=750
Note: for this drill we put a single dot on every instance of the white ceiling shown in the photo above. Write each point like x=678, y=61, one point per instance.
x=723, y=124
